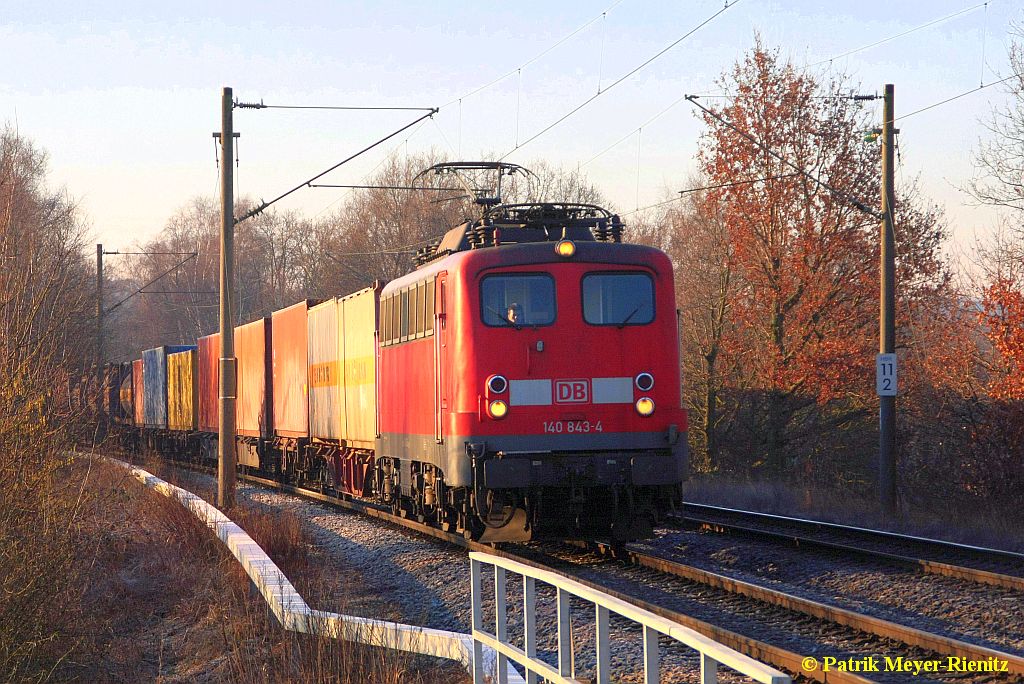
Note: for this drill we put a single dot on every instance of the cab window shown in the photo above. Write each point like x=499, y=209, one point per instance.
x=517, y=299
x=618, y=299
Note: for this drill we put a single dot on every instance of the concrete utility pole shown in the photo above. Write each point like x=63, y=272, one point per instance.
x=99, y=324
x=887, y=316
x=228, y=382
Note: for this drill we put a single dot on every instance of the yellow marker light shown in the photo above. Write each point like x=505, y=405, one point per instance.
x=565, y=248
x=645, y=406
x=497, y=409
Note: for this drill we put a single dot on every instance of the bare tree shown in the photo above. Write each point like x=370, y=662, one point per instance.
x=1001, y=159
x=45, y=346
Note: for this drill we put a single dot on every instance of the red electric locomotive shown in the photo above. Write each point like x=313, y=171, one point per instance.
x=523, y=381
x=529, y=379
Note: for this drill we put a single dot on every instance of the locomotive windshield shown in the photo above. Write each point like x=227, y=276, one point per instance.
x=518, y=300
x=618, y=299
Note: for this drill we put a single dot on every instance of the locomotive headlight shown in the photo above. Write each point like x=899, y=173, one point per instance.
x=565, y=248
x=645, y=406
x=644, y=382
x=498, y=409
x=497, y=384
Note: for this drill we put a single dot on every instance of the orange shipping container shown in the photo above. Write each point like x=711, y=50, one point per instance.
x=253, y=409
x=209, y=383
x=290, y=388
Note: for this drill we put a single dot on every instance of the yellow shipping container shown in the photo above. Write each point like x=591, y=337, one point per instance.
x=357, y=320
x=182, y=391
x=325, y=400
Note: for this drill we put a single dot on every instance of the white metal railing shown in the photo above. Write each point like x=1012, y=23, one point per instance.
x=294, y=614
x=712, y=653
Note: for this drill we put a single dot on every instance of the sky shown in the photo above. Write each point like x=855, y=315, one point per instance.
x=125, y=96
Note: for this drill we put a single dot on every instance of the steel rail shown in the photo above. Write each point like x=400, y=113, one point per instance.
x=707, y=520
x=841, y=616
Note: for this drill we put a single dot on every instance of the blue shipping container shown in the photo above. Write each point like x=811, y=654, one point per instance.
x=154, y=384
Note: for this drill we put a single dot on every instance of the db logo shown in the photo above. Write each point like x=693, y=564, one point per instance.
x=572, y=391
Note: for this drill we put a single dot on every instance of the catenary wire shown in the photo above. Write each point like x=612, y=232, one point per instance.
x=263, y=205
x=630, y=134
x=898, y=35
x=621, y=79
x=830, y=59
x=835, y=191
x=683, y=193
x=957, y=97
x=532, y=59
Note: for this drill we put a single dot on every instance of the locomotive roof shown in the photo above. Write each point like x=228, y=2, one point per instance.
x=510, y=224
x=591, y=252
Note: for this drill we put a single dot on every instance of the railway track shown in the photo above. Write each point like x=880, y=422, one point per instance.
x=981, y=565
x=867, y=624
x=752, y=619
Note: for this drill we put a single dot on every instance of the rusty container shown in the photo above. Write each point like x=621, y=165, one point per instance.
x=182, y=391
x=209, y=383
x=254, y=405
x=125, y=394
x=154, y=384
x=325, y=395
x=138, y=397
x=290, y=350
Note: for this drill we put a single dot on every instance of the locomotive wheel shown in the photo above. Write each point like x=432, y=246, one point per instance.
x=503, y=519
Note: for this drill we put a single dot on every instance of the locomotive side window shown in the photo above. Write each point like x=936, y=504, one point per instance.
x=396, y=318
x=618, y=299
x=385, y=321
x=408, y=314
x=428, y=315
x=416, y=307
x=516, y=300
x=405, y=315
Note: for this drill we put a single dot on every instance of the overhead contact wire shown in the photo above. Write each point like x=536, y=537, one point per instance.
x=621, y=79
x=757, y=143
x=532, y=59
x=263, y=205
x=898, y=35
x=628, y=135
x=957, y=97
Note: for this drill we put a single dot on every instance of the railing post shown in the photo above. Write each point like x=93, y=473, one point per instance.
x=530, y=623
x=500, y=621
x=603, y=647
x=564, y=635
x=708, y=669
x=651, y=667
x=478, y=621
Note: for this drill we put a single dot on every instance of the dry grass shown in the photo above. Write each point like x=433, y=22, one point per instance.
x=252, y=647
x=137, y=589
x=995, y=526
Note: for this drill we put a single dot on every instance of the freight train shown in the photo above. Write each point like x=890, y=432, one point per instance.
x=522, y=381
